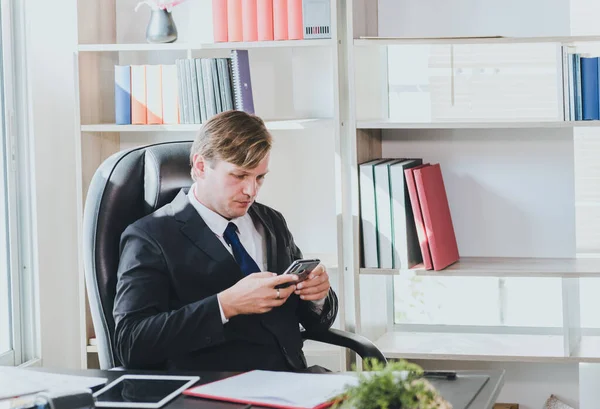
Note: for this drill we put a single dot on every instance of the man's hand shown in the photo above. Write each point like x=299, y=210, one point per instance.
x=316, y=286
x=256, y=294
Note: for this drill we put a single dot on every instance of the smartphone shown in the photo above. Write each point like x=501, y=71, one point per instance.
x=301, y=268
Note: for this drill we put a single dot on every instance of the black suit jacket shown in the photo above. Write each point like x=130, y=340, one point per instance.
x=166, y=312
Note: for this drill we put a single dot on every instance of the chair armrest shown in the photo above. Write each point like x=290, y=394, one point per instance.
x=359, y=344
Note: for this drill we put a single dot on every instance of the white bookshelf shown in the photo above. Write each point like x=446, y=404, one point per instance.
x=284, y=125
x=385, y=41
x=393, y=124
x=296, y=91
x=506, y=267
x=207, y=46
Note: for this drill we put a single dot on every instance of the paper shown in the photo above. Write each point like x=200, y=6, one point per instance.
x=276, y=389
x=17, y=382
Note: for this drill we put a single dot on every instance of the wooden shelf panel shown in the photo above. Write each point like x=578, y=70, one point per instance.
x=209, y=46
x=507, y=267
x=391, y=124
x=283, y=125
x=383, y=41
x=473, y=347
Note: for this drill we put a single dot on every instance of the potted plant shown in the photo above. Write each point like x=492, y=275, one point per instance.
x=397, y=385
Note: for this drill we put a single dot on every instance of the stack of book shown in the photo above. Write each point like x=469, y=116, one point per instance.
x=267, y=20
x=581, y=90
x=191, y=91
x=405, y=217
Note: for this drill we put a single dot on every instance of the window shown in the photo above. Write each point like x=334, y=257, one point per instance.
x=18, y=328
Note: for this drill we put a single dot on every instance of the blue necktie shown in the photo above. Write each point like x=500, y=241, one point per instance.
x=246, y=263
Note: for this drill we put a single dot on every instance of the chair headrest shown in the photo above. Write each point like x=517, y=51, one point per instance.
x=166, y=171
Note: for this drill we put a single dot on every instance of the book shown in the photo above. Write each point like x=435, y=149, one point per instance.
x=264, y=20
x=122, y=94
x=277, y=389
x=406, y=250
x=182, y=91
x=154, y=95
x=437, y=218
x=234, y=20
x=280, y=20
x=219, y=13
x=225, y=83
x=194, y=93
x=294, y=16
x=418, y=215
x=383, y=208
x=170, y=97
x=209, y=93
x=249, y=20
x=138, y=95
x=368, y=213
x=214, y=76
x=242, y=84
x=589, y=88
x=316, y=18
x=201, y=92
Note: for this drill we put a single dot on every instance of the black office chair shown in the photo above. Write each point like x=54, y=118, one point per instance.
x=127, y=186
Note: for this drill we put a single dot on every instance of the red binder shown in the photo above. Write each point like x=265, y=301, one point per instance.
x=436, y=216
x=416, y=207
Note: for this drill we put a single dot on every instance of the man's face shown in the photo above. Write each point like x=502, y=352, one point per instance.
x=229, y=189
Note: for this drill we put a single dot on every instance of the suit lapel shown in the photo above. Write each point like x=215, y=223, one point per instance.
x=257, y=214
x=227, y=272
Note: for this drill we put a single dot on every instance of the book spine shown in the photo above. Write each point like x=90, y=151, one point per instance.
x=249, y=20
x=242, y=84
x=294, y=9
x=182, y=88
x=122, y=94
x=191, y=66
x=138, y=95
x=201, y=92
x=219, y=11
x=234, y=20
x=209, y=93
x=264, y=20
x=154, y=95
x=280, y=20
x=170, y=94
x=215, y=84
x=589, y=87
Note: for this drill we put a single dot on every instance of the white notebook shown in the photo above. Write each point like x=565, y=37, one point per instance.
x=277, y=389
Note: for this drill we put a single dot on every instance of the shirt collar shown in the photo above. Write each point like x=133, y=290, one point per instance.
x=213, y=220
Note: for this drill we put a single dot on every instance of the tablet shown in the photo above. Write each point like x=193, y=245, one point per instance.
x=142, y=391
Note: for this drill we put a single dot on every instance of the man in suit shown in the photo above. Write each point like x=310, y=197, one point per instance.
x=197, y=278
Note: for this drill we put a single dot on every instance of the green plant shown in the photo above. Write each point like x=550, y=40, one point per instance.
x=397, y=385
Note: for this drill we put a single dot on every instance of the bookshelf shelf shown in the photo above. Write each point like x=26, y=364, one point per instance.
x=283, y=125
x=506, y=267
x=391, y=124
x=474, y=347
x=384, y=41
x=213, y=46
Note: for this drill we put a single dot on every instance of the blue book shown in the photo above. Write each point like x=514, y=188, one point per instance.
x=122, y=94
x=577, y=85
x=589, y=88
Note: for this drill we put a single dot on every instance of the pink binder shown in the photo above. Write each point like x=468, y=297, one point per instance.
x=280, y=20
x=250, y=31
x=234, y=20
x=294, y=8
x=264, y=19
x=219, y=10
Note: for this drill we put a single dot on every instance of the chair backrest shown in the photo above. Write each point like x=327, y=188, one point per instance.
x=127, y=186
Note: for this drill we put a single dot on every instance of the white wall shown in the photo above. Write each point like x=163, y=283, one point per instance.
x=50, y=47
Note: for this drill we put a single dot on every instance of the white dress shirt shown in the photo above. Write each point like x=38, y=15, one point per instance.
x=251, y=234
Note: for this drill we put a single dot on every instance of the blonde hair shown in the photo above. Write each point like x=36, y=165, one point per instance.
x=232, y=136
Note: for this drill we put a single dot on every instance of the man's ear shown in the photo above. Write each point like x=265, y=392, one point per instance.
x=199, y=166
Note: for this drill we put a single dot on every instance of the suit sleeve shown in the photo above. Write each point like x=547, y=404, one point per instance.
x=308, y=315
x=147, y=332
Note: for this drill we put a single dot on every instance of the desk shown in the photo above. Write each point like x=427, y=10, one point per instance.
x=485, y=399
